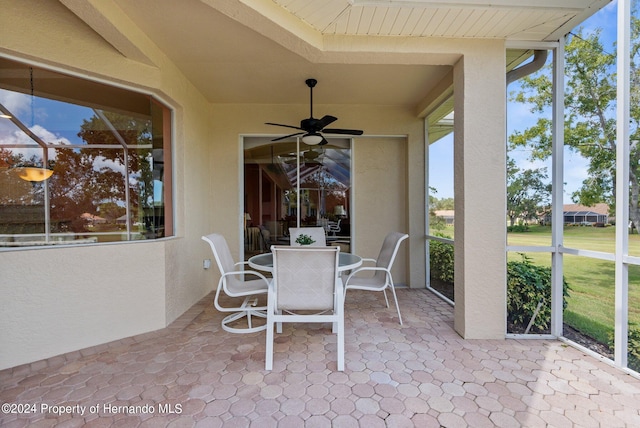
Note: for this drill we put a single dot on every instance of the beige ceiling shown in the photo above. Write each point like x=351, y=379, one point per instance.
x=261, y=51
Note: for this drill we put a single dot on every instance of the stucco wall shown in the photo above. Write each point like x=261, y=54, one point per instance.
x=58, y=300
x=380, y=190
x=480, y=189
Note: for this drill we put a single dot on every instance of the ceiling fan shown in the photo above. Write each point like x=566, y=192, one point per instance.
x=313, y=128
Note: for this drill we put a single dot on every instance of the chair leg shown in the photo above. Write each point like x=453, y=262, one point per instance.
x=279, y=324
x=268, y=357
x=393, y=290
x=385, y=297
x=236, y=316
x=244, y=311
x=340, y=340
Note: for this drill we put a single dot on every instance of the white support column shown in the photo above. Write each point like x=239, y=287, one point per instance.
x=427, y=207
x=622, y=185
x=480, y=189
x=557, y=177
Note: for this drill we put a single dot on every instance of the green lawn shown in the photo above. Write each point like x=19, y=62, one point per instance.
x=591, y=303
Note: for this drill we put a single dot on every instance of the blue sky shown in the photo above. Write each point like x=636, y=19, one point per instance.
x=519, y=118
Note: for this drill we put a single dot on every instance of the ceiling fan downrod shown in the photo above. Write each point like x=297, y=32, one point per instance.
x=311, y=83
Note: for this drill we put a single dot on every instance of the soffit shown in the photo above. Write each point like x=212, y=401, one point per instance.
x=502, y=19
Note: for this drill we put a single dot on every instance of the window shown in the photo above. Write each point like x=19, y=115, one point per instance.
x=80, y=161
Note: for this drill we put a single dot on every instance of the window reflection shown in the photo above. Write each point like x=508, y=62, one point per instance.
x=105, y=150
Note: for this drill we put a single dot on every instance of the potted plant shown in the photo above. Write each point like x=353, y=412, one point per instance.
x=303, y=239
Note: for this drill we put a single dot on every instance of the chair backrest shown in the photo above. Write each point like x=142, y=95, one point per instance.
x=223, y=257
x=316, y=233
x=305, y=278
x=389, y=250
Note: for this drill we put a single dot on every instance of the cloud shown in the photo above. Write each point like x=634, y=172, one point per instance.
x=101, y=162
x=49, y=137
x=15, y=102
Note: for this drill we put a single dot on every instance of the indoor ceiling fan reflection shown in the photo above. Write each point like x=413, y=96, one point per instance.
x=308, y=157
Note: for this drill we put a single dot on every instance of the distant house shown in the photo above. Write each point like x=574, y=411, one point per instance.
x=92, y=219
x=446, y=215
x=581, y=214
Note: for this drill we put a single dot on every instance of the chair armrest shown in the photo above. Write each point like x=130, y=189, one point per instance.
x=246, y=272
x=364, y=269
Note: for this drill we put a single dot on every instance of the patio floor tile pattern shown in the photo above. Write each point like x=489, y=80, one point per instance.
x=420, y=374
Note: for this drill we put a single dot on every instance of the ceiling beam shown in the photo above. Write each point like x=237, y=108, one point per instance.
x=113, y=25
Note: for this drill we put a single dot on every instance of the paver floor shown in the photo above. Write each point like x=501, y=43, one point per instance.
x=420, y=374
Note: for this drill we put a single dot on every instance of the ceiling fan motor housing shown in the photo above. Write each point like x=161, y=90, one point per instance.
x=312, y=125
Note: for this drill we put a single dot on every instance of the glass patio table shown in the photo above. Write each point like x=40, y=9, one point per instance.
x=346, y=261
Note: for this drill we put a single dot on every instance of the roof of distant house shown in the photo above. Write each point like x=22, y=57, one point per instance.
x=600, y=208
x=91, y=217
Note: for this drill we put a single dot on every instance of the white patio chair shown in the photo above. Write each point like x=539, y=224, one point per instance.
x=381, y=279
x=233, y=284
x=305, y=279
x=316, y=233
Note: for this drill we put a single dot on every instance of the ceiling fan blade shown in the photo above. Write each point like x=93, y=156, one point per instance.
x=327, y=120
x=287, y=136
x=323, y=142
x=343, y=131
x=286, y=126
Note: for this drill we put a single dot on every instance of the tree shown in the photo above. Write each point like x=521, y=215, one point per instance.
x=88, y=178
x=435, y=204
x=590, y=125
x=527, y=192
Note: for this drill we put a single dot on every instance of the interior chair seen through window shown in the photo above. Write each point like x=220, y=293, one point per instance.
x=232, y=283
x=317, y=234
x=381, y=278
x=305, y=289
x=334, y=227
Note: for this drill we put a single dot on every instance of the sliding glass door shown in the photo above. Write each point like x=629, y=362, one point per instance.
x=289, y=184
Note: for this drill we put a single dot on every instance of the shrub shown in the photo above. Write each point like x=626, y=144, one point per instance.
x=527, y=286
x=634, y=348
x=441, y=260
x=519, y=228
x=633, y=356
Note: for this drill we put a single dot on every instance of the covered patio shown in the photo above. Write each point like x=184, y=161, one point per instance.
x=132, y=323
x=420, y=374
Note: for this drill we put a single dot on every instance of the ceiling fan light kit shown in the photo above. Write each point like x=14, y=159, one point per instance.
x=313, y=128
x=312, y=139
